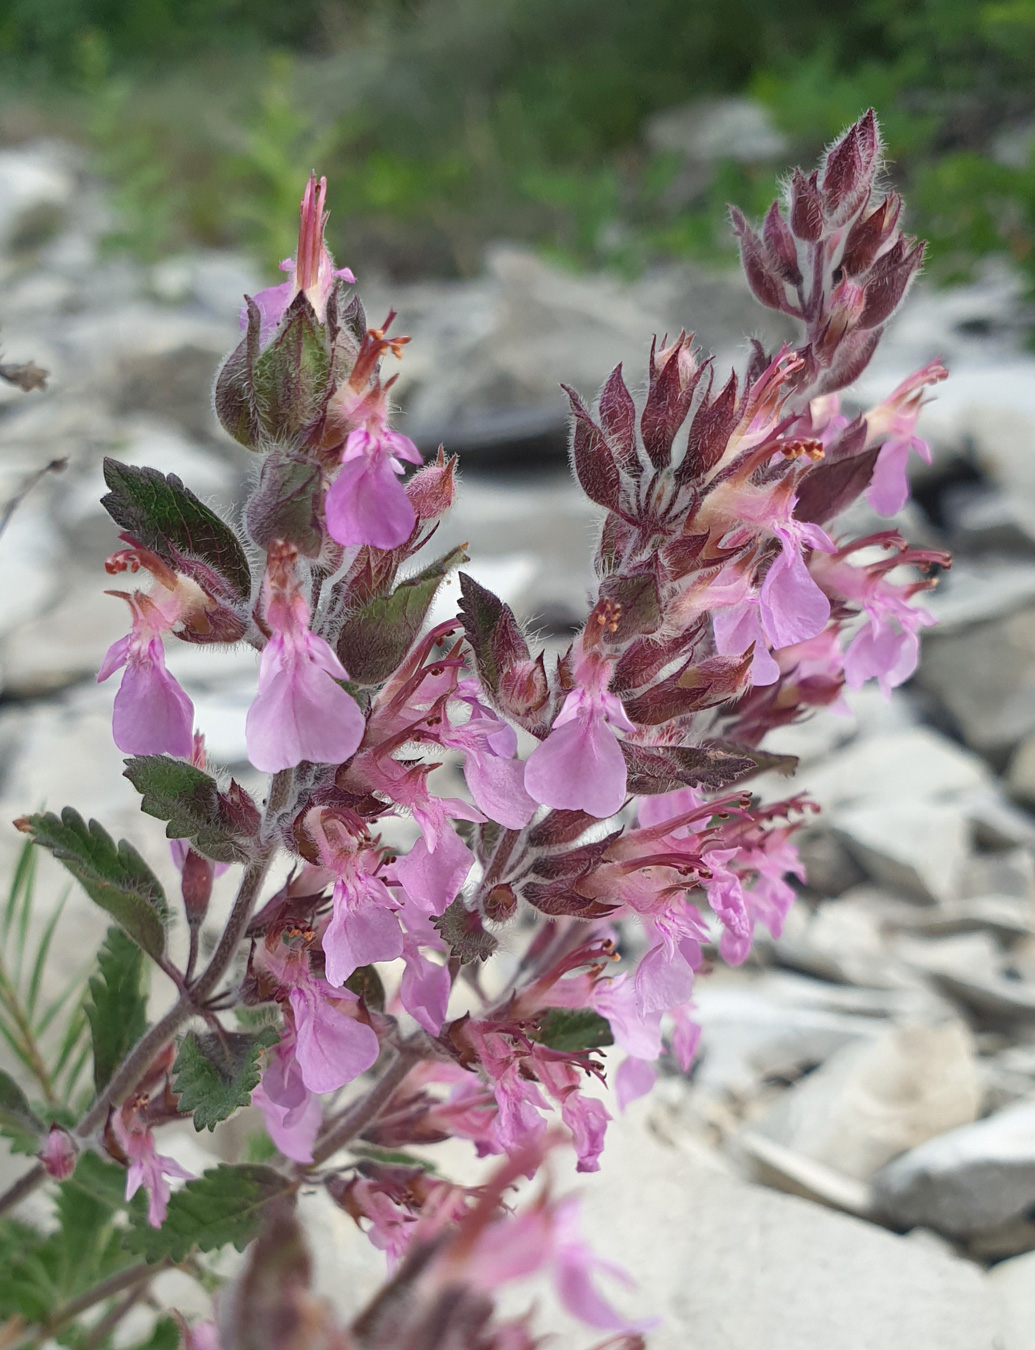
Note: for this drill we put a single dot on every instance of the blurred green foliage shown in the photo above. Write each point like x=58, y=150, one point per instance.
x=446, y=123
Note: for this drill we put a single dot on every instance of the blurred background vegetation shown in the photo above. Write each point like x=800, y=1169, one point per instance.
x=448, y=123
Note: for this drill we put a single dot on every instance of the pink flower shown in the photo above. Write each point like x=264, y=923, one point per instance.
x=426, y=985
x=495, y=778
x=433, y=879
x=146, y=1167
x=152, y=714
x=586, y=1117
x=300, y=711
x=725, y=893
x=580, y=765
x=548, y=1235
x=333, y=1048
x=792, y=607
x=366, y=503
x=292, y=1113
x=887, y=645
x=633, y=1080
x=363, y=927
x=895, y=419
x=736, y=628
x=312, y=270
x=59, y=1153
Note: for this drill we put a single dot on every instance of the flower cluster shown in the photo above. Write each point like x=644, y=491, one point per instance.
x=606, y=828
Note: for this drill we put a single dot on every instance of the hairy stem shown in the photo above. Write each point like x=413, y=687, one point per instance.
x=131, y=1068
x=100, y=1333
x=114, y=1284
x=247, y=894
x=22, y=1187
x=360, y=1114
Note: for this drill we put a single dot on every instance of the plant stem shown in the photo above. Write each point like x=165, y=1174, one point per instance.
x=114, y=1284
x=359, y=1115
x=247, y=894
x=133, y=1066
x=24, y=1186
x=100, y=1333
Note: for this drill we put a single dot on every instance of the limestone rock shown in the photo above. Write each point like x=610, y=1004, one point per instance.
x=985, y=678
x=873, y=1100
x=711, y=130
x=36, y=188
x=725, y=1263
x=968, y=1181
x=916, y=847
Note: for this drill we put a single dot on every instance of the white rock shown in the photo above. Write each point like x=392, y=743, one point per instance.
x=972, y=970
x=1020, y=775
x=731, y=1265
x=31, y=554
x=904, y=766
x=1013, y=1288
x=65, y=643
x=873, y=1100
x=36, y=188
x=971, y=1179
x=779, y=1024
x=715, y=129
x=976, y=590
x=916, y=847
x=985, y=677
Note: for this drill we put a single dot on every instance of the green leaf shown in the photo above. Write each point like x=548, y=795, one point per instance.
x=374, y=640
x=165, y=516
x=113, y=876
x=365, y=982
x=214, y=1075
x=572, y=1029
x=18, y=1121
x=220, y=825
x=117, y=1005
x=390, y=1157
x=223, y=1205
x=492, y=632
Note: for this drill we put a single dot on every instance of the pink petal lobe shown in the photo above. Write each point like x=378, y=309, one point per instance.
x=367, y=504
x=580, y=766
x=792, y=606
x=332, y=1048
x=152, y=715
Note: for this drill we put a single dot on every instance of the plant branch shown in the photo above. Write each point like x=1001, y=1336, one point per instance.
x=359, y=1115
x=114, y=1284
x=24, y=1186
x=247, y=894
x=100, y=1333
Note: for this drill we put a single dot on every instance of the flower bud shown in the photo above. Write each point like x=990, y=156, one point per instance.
x=59, y=1154
x=196, y=886
x=869, y=235
x=286, y=503
x=432, y=489
x=500, y=905
x=780, y=243
x=891, y=277
x=806, y=209
x=762, y=277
